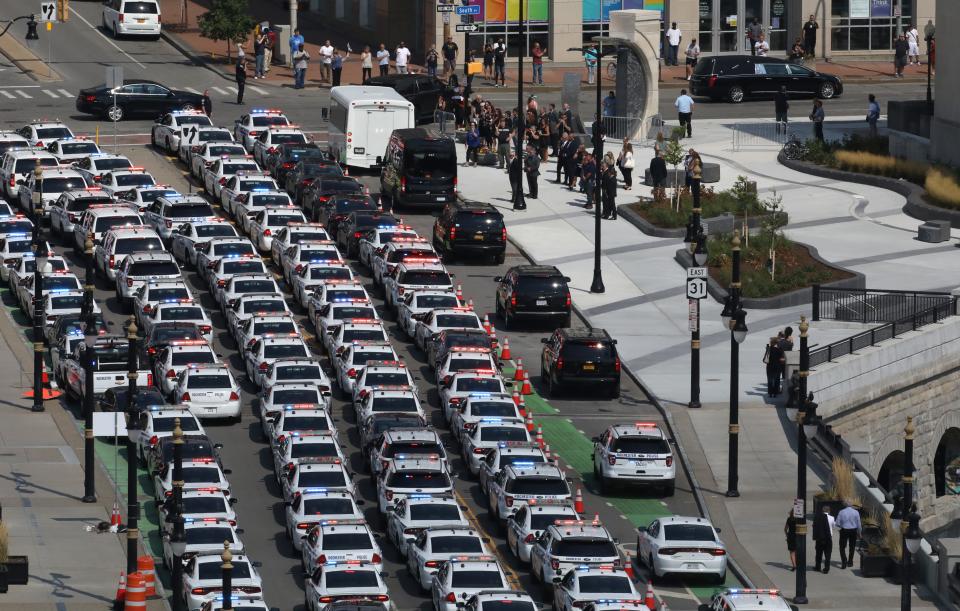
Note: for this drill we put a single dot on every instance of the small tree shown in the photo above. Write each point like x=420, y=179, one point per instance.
x=674, y=155
x=771, y=227
x=226, y=20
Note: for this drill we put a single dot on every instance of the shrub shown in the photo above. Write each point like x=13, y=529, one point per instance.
x=882, y=165
x=943, y=189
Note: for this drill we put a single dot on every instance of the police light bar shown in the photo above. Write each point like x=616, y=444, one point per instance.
x=472, y=559
x=477, y=349
x=267, y=111
x=320, y=460
x=430, y=457
x=351, y=522
x=479, y=371
x=518, y=444
x=554, y=502
x=645, y=425
x=290, y=407
x=392, y=388
x=753, y=591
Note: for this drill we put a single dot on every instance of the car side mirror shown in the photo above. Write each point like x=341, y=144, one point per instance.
x=239, y=531
x=234, y=500
x=498, y=278
x=257, y=564
x=227, y=471
x=567, y=279
x=544, y=340
x=20, y=182
x=360, y=502
x=717, y=529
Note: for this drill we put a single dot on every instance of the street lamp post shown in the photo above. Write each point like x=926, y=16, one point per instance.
x=89, y=281
x=912, y=539
x=599, y=132
x=89, y=366
x=133, y=505
x=929, y=91
x=697, y=242
x=806, y=427
x=178, y=541
x=520, y=203
x=226, y=575
x=735, y=317
x=908, y=510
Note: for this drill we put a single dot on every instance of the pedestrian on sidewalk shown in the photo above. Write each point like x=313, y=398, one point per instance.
x=260, y=54
x=913, y=45
x=810, y=36
x=900, y=49
x=775, y=360
x=336, y=66
x=817, y=116
x=574, y=167
x=848, y=521
x=786, y=339
x=531, y=168
x=673, y=36
x=610, y=105
x=499, y=63
x=659, y=146
x=383, y=56
x=241, y=54
x=402, y=58
x=326, y=60
x=241, y=79
x=566, y=118
x=268, y=51
x=300, y=61
x=658, y=176
x=609, y=192
x=797, y=53
x=504, y=135
x=473, y=144
x=295, y=41
x=366, y=64
x=488, y=61
x=780, y=108
x=563, y=152
x=433, y=59
x=762, y=46
x=684, y=104
x=790, y=531
x=873, y=114
x=823, y=525
x=471, y=57
x=754, y=30
x=625, y=163
x=588, y=178
x=553, y=127
x=515, y=173
x=591, y=57
x=543, y=146
x=537, y=54
x=695, y=169
x=693, y=55
x=450, y=52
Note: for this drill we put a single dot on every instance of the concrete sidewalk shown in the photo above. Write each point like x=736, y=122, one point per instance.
x=644, y=307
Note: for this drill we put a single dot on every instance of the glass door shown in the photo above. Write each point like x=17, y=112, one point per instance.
x=751, y=10
x=728, y=26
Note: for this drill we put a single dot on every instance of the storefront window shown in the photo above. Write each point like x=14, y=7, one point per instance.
x=866, y=25
x=779, y=27
x=705, y=39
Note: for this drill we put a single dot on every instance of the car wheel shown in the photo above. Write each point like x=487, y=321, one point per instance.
x=653, y=567
x=721, y=578
x=736, y=94
x=115, y=113
x=668, y=490
x=499, y=259
x=507, y=320
x=115, y=34
x=827, y=91
x=614, y=392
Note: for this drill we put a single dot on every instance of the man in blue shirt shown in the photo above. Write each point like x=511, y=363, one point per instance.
x=848, y=521
x=610, y=105
x=873, y=114
x=684, y=104
x=295, y=41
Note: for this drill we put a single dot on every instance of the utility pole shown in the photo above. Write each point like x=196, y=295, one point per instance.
x=294, y=4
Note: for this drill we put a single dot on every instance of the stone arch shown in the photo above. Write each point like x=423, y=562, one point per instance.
x=946, y=463
x=890, y=474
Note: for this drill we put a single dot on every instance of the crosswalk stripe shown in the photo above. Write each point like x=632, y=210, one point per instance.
x=220, y=91
x=23, y=95
x=65, y=92
x=50, y=93
x=8, y=94
x=232, y=89
x=259, y=90
x=191, y=90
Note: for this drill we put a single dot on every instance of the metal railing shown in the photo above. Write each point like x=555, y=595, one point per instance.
x=886, y=331
x=871, y=306
x=760, y=134
x=635, y=129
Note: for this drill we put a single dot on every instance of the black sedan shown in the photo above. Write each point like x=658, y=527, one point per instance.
x=138, y=97
x=422, y=90
x=736, y=77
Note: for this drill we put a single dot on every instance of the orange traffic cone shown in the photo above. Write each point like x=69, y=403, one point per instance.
x=121, y=594
x=539, y=438
x=529, y=423
x=523, y=408
x=136, y=599
x=650, y=600
x=526, y=389
x=628, y=567
x=115, y=515
x=493, y=337
x=470, y=304
x=505, y=354
x=46, y=392
x=546, y=453
x=518, y=372
x=146, y=568
x=578, y=501
x=486, y=323
x=516, y=398
x=460, y=293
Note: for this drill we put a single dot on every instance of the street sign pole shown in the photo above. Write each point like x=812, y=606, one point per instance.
x=696, y=290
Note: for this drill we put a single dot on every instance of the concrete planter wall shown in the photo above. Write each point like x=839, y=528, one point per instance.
x=725, y=223
x=916, y=206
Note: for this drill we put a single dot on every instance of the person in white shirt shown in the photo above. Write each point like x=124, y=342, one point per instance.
x=913, y=40
x=684, y=104
x=762, y=47
x=673, y=44
x=383, y=56
x=402, y=57
x=693, y=54
x=326, y=58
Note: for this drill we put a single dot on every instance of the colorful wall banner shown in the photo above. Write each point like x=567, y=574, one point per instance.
x=881, y=8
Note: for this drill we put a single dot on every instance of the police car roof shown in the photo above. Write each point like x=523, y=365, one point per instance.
x=638, y=429
x=581, y=529
x=539, y=470
x=743, y=599
x=425, y=462
x=149, y=255
x=407, y=434
x=493, y=396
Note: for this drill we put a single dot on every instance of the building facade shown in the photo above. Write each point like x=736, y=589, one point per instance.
x=857, y=28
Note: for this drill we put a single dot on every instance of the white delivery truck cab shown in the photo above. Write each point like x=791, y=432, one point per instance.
x=361, y=121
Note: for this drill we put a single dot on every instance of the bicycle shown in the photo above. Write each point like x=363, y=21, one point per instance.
x=794, y=148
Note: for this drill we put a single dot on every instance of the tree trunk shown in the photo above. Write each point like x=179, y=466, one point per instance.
x=229, y=56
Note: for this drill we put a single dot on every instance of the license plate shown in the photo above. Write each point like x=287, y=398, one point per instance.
x=641, y=463
x=440, y=198
x=691, y=566
x=359, y=150
x=141, y=20
x=541, y=302
x=478, y=237
x=589, y=367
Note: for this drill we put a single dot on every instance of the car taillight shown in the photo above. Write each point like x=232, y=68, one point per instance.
x=120, y=17
x=168, y=223
x=412, y=531
x=567, y=301
x=149, y=379
x=10, y=261
x=263, y=367
x=403, y=184
x=222, y=282
x=304, y=525
x=204, y=329
x=554, y=564
x=351, y=373
x=612, y=459
x=389, y=495
x=234, y=396
x=151, y=351
x=401, y=290
x=513, y=299
x=13, y=181
x=431, y=564
x=667, y=551
x=253, y=133
x=168, y=493
x=508, y=501
x=322, y=559
x=560, y=363
x=185, y=396
x=113, y=262
x=357, y=234
x=287, y=165
x=272, y=150
x=223, y=180
x=451, y=597
x=712, y=82
x=297, y=269
x=129, y=281
x=147, y=309
x=153, y=440
x=469, y=426
x=717, y=552
x=72, y=217
x=530, y=538
x=669, y=461
x=453, y=233
x=171, y=374
x=90, y=98
x=203, y=591
x=267, y=232
x=616, y=364
x=384, y=464
x=481, y=450
x=376, y=559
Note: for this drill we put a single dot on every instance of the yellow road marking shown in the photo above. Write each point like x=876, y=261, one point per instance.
x=512, y=576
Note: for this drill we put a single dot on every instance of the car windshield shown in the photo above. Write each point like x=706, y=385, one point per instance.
x=310, y=449
x=362, y=335
x=218, y=135
x=295, y=237
x=471, y=222
x=274, y=326
x=299, y=372
x=246, y=266
x=493, y=408
x=688, y=532
x=345, y=312
x=503, y=433
x=538, y=486
x=640, y=445
x=542, y=521
x=587, y=548
x=270, y=200
x=435, y=512
x=460, y=321
x=110, y=222
x=265, y=120
x=346, y=206
x=364, y=356
x=278, y=351
x=209, y=381
x=79, y=204
x=112, y=164
x=149, y=8
x=163, y=294
x=339, y=294
x=126, y=246
x=306, y=423
x=479, y=385
x=510, y=459
x=30, y=265
x=225, y=249
x=225, y=149
x=250, y=184
x=164, y=333
x=419, y=479
x=587, y=351
x=299, y=395
x=205, y=504
x=66, y=302
x=19, y=246
x=322, y=479
x=181, y=313
x=215, y=230
x=391, y=404
x=335, y=506
x=213, y=570
x=506, y=604
x=436, y=162
x=426, y=277
x=350, y=578
x=347, y=541
x=381, y=425
x=135, y=180
x=192, y=210
x=209, y=535
x=153, y=268
x=254, y=286
x=186, y=358
x=294, y=153
x=201, y=475
x=476, y=579
x=53, y=283
x=319, y=254
x=59, y=185
x=288, y=139
x=605, y=584
x=74, y=148
x=189, y=119
x=463, y=364
x=387, y=379
x=454, y=544
x=53, y=133
x=412, y=447
x=166, y=425
x=331, y=273
x=341, y=186
x=542, y=285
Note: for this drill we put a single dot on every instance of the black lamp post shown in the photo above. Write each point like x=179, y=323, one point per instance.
x=929, y=91
x=520, y=203
x=39, y=314
x=697, y=242
x=226, y=574
x=89, y=366
x=133, y=424
x=178, y=541
x=31, y=26
x=734, y=317
x=806, y=427
x=908, y=510
x=912, y=539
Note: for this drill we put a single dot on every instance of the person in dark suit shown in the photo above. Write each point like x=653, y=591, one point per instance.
x=532, y=170
x=658, y=175
x=515, y=172
x=609, y=191
x=563, y=153
x=823, y=539
x=241, y=78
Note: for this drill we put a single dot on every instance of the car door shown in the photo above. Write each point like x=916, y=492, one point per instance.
x=802, y=80
x=158, y=98
x=130, y=98
x=111, y=10
x=777, y=76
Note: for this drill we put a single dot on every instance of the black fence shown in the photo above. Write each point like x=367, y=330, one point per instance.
x=884, y=332
x=872, y=306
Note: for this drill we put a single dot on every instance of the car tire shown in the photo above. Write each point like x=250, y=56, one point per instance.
x=507, y=320
x=614, y=391
x=826, y=91
x=499, y=259
x=653, y=568
x=115, y=113
x=167, y=146
x=669, y=489
x=736, y=94
x=116, y=36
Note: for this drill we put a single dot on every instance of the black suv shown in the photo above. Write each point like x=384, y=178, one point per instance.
x=338, y=207
x=735, y=77
x=118, y=399
x=470, y=228
x=580, y=356
x=302, y=174
x=533, y=292
x=352, y=228
x=287, y=156
x=419, y=169
x=420, y=89
x=322, y=189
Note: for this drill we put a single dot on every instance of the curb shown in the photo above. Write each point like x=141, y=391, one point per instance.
x=725, y=223
x=23, y=58
x=668, y=420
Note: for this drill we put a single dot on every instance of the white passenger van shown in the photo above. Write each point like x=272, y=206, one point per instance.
x=361, y=121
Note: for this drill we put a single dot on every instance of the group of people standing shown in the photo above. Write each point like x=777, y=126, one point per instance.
x=847, y=521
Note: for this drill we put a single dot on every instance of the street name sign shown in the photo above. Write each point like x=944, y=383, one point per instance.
x=472, y=9
x=445, y=8
x=467, y=27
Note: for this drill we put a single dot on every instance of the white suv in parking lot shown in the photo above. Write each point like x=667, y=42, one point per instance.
x=132, y=17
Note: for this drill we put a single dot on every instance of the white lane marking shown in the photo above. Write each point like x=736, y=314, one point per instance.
x=19, y=86
x=220, y=91
x=259, y=90
x=103, y=36
x=192, y=90
x=8, y=94
x=23, y=94
x=232, y=90
x=50, y=93
x=65, y=92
